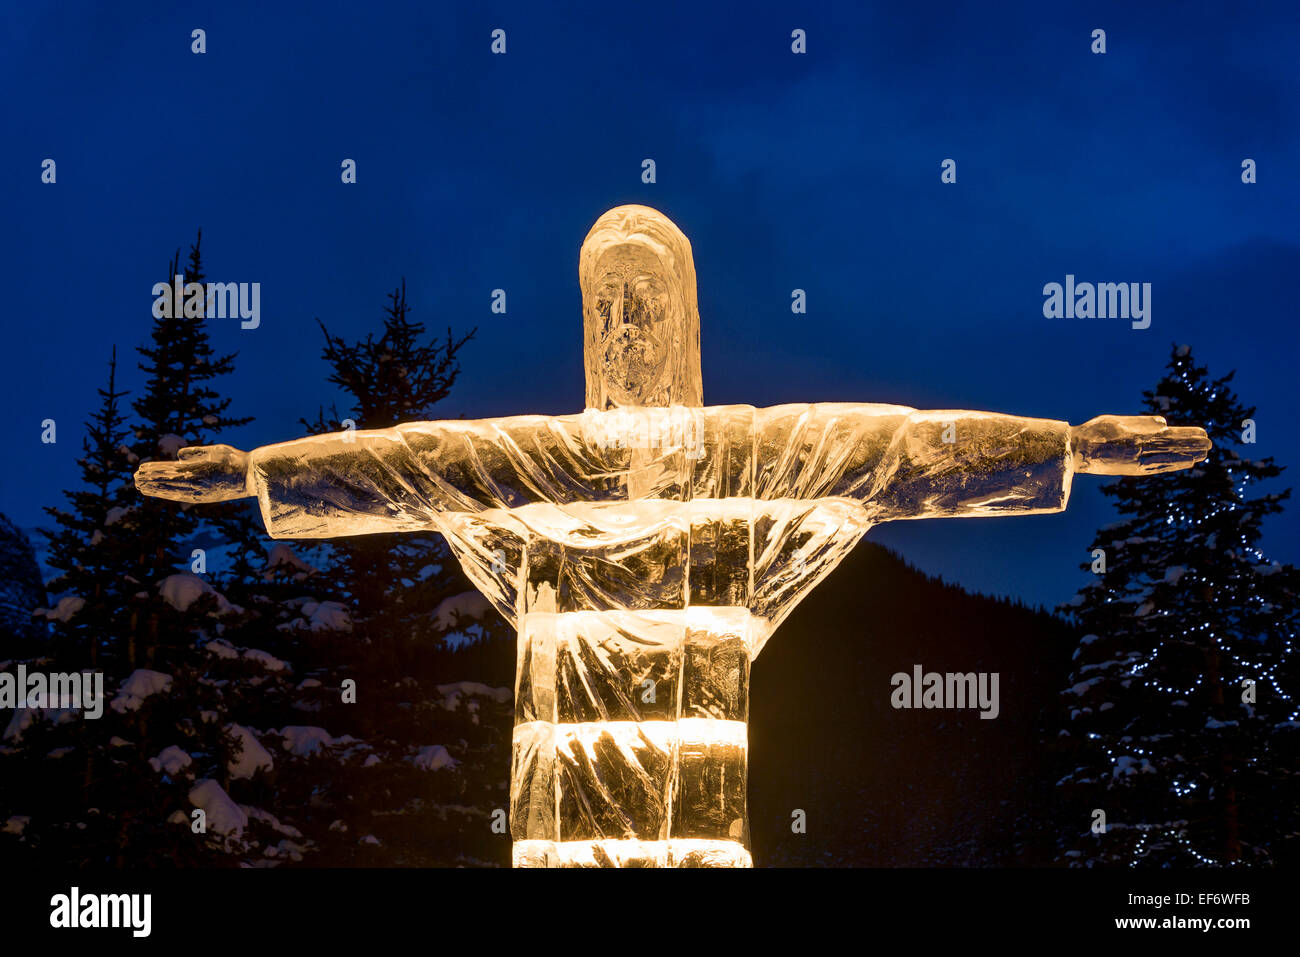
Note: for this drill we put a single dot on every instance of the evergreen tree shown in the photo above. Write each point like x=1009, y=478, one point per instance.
x=22, y=588
x=223, y=681
x=89, y=547
x=179, y=406
x=393, y=582
x=436, y=766
x=1181, y=710
x=198, y=683
x=94, y=537
x=225, y=626
x=83, y=785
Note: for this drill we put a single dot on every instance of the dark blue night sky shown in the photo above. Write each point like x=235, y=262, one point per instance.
x=819, y=171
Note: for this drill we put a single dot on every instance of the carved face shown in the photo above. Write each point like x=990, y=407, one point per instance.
x=641, y=327
x=632, y=306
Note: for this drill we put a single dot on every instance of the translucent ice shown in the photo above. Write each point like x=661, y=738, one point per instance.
x=646, y=548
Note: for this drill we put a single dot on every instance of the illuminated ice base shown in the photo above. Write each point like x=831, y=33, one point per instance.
x=630, y=745
x=631, y=853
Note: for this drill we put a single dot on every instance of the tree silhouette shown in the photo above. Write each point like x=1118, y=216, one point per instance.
x=1181, y=719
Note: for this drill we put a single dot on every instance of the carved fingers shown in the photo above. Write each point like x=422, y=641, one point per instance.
x=1136, y=445
x=208, y=473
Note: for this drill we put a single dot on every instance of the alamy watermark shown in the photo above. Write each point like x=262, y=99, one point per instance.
x=662, y=431
x=1103, y=300
x=74, y=909
x=83, y=690
x=213, y=300
x=955, y=690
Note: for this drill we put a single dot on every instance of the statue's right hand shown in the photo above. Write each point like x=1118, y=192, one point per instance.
x=202, y=473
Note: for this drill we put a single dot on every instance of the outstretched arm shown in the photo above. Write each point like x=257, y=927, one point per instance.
x=384, y=480
x=903, y=463
x=954, y=464
x=398, y=479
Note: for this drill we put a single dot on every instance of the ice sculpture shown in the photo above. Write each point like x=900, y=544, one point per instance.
x=646, y=548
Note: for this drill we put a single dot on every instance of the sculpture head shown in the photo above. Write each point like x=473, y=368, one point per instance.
x=641, y=324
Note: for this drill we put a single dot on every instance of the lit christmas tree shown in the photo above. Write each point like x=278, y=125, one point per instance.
x=1182, y=723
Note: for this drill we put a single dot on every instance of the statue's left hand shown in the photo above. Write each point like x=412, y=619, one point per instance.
x=203, y=473
x=1135, y=445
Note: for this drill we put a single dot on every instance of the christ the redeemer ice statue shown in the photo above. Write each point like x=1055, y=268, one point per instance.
x=646, y=548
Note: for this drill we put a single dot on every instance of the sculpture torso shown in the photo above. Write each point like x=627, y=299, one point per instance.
x=756, y=556
x=637, y=624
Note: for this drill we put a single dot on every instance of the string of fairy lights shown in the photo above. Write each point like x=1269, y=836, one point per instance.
x=1180, y=838
x=1245, y=666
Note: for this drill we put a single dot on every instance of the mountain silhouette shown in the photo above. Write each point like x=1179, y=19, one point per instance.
x=885, y=787
x=879, y=786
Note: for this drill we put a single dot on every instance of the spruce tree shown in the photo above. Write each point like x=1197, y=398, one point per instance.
x=22, y=588
x=228, y=688
x=436, y=770
x=393, y=582
x=89, y=547
x=1181, y=719
x=201, y=687
x=93, y=537
x=227, y=630
x=179, y=406
x=84, y=783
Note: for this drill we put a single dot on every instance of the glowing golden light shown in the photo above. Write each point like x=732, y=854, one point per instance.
x=646, y=548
